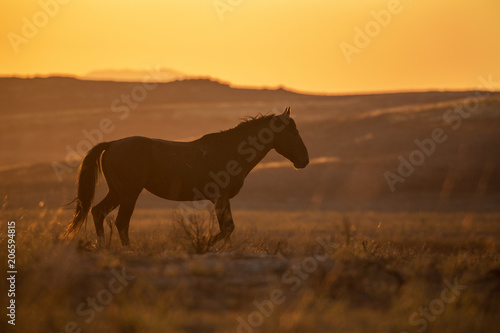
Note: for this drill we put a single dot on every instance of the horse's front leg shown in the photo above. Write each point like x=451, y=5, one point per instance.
x=225, y=219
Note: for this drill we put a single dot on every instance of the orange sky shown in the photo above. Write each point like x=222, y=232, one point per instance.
x=428, y=44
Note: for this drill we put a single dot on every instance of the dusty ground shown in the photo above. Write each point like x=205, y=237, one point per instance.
x=284, y=271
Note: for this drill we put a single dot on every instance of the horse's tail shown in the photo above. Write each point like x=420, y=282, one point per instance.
x=88, y=175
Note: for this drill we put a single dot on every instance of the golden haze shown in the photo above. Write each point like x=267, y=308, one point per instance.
x=427, y=45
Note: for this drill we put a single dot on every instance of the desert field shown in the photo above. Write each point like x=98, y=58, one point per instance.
x=394, y=226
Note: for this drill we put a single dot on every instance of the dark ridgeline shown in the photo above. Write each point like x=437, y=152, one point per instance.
x=212, y=168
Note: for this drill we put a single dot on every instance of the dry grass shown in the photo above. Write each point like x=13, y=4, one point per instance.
x=194, y=229
x=382, y=268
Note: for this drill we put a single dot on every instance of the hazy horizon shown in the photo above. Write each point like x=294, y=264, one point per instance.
x=317, y=47
x=139, y=76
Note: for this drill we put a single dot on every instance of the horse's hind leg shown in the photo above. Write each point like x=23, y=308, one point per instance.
x=99, y=213
x=122, y=222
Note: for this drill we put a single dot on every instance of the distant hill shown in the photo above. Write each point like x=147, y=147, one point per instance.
x=61, y=93
x=353, y=142
x=38, y=94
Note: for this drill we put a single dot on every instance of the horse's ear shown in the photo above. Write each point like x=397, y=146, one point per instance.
x=286, y=113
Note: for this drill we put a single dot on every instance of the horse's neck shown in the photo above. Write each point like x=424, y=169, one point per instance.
x=251, y=149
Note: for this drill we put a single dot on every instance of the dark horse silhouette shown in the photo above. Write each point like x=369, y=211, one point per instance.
x=211, y=168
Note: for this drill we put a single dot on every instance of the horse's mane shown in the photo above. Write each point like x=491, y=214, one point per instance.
x=249, y=121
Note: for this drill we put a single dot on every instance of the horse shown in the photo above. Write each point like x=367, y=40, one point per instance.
x=211, y=168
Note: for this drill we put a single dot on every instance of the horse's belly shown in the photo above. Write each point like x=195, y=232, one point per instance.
x=172, y=189
x=194, y=188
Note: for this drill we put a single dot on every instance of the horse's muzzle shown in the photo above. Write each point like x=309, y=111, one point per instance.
x=301, y=164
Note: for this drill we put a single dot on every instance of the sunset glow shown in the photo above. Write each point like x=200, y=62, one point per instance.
x=297, y=44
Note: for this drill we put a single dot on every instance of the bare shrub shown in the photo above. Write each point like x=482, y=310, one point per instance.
x=195, y=229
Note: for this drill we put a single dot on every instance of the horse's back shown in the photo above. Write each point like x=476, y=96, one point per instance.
x=168, y=169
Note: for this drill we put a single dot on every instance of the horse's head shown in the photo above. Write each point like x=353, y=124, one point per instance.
x=288, y=141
